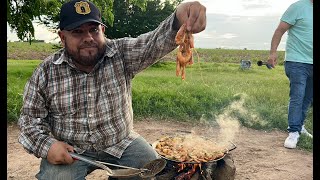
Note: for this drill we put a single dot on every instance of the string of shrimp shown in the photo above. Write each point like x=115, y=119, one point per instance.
x=185, y=41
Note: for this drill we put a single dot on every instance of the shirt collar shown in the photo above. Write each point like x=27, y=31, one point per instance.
x=62, y=58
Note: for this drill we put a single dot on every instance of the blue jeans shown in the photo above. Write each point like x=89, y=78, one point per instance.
x=301, y=93
x=138, y=153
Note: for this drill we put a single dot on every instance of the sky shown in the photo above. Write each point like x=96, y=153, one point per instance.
x=231, y=24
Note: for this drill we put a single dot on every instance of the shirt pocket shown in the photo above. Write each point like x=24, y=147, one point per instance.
x=112, y=98
x=65, y=104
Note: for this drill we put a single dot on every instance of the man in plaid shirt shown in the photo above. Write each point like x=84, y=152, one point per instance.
x=79, y=99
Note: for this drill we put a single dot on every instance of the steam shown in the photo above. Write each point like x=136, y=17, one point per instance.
x=229, y=126
x=225, y=126
x=192, y=141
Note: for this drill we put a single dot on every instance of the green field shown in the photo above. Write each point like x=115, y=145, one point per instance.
x=257, y=97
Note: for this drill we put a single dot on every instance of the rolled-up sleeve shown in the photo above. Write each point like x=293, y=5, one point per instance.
x=143, y=51
x=34, y=127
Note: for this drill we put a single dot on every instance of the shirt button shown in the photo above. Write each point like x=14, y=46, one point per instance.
x=90, y=115
x=89, y=95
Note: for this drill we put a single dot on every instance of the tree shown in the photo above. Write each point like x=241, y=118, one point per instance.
x=21, y=14
x=131, y=21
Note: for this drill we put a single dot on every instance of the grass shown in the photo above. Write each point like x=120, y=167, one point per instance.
x=18, y=72
x=229, y=55
x=14, y=47
x=260, y=95
x=23, y=50
x=257, y=97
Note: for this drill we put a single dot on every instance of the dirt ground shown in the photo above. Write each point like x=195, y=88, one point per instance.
x=259, y=155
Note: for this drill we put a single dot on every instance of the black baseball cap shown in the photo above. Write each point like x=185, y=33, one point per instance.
x=77, y=12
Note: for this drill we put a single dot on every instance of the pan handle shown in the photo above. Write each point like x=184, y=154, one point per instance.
x=233, y=146
x=82, y=158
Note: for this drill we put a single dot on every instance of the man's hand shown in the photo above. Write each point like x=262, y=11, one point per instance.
x=59, y=153
x=276, y=38
x=193, y=14
x=272, y=60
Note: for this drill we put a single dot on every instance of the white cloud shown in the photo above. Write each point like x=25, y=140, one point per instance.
x=246, y=7
x=238, y=32
x=228, y=36
x=41, y=33
x=206, y=34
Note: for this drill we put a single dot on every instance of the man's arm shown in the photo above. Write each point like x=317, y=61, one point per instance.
x=34, y=125
x=276, y=38
x=141, y=52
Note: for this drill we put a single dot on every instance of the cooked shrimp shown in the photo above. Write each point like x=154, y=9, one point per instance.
x=185, y=41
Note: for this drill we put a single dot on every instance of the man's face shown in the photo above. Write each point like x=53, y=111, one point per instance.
x=84, y=44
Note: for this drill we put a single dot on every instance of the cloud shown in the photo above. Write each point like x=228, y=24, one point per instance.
x=238, y=32
x=255, y=4
x=228, y=36
x=246, y=7
x=41, y=33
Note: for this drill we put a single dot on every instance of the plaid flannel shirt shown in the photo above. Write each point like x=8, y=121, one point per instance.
x=89, y=111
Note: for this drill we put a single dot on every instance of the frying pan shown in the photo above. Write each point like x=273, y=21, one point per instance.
x=226, y=151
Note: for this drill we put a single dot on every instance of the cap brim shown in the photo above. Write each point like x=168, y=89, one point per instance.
x=79, y=23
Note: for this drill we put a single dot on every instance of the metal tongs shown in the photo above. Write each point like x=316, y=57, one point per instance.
x=125, y=172
x=92, y=162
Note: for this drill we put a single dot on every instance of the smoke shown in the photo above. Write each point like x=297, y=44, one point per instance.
x=224, y=128
x=198, y=144
x=229, y=126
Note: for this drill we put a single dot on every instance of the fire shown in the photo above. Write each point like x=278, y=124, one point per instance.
x=190, y=170
x=181, y=166
x=193, y=169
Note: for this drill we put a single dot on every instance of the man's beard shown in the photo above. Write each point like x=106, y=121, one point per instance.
x=90, y=60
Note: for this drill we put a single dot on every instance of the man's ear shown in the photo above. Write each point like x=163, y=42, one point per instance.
x=62, y=37
x=103, y=29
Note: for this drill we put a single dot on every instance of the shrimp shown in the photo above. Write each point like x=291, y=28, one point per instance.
x=185, y=41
